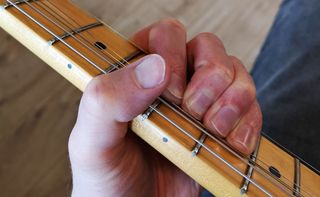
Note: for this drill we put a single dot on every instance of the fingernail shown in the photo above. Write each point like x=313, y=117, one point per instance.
x=176, y=87
x=225, y=119
x=245, y=137
x=199, y=102
x=151, y=71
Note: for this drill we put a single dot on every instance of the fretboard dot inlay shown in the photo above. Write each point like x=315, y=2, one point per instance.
x=275, y=171
x=100, y=45
x=165, y=140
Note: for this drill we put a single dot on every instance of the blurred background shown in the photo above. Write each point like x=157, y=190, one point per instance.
x=38, y=107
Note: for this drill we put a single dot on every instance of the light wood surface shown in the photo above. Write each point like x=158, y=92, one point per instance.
x=37, y=112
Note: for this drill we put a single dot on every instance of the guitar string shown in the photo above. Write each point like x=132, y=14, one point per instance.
x=53, y=34
x=72, y=28
x=202, y=145
x=69, y=33
x=220, y=141
x=92, y=41
x=67, y=24
x=85, y=32
x=199, y=143
x=90, y=35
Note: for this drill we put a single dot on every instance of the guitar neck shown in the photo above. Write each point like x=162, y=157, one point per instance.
x=80, y=47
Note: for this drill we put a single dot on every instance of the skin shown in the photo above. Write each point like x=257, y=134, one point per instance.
x=109, y=160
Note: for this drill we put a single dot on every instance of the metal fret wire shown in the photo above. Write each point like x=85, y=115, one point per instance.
x=74, y=21
x=48, y=19
x=112, y=51
x=123, y=66
x=67, y=32
x=212, y=152
x=166, y=103
x=70, y=28
x=85, y=39
x=53, y=34
x=201, y=127
x=222, y=142
x=38, y=12
x=195, y=122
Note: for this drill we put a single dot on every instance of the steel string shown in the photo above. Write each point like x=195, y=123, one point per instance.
x=52, y=22
x=69, y=33
x=124, y=66
x=35, y=20
x=71, y=28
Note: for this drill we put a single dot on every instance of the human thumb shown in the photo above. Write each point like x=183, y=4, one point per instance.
x=109, y=102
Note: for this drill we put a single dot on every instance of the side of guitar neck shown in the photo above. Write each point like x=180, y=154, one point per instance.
x=79, y=47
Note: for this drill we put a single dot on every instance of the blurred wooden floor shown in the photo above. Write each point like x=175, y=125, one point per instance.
x=38, y=107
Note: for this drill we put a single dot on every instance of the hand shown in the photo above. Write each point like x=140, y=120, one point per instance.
x=107, y=160
x=222, y=93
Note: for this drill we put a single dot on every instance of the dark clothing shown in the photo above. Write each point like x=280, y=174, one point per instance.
x=287, y=77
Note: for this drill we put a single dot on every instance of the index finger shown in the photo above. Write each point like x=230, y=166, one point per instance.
x=168, y=39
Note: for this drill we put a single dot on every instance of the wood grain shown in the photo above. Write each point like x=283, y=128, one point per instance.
x=38, y=107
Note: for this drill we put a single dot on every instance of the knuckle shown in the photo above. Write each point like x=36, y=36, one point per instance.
x=97, y=91
x=209, y=37
x=252, y=91
x=235, y=60
x=248, y=91
x=237, y=63
x=224, y=72
x=256, y=120
x=214, y=69
x=95, y=87
x=172, y=23
x=241, y=96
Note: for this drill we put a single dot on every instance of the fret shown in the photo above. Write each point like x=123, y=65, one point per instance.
x=118, y=52
x=129, y=58
x=124, y=61
x=235, y=178
x=83, y=43
x=253, y=156
x=7, y=4
x=178, y=143
x=74, y=32
x=211, y=161
x=282, y=167
x=148, y=112
x=197, y=148
x=297, y=177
